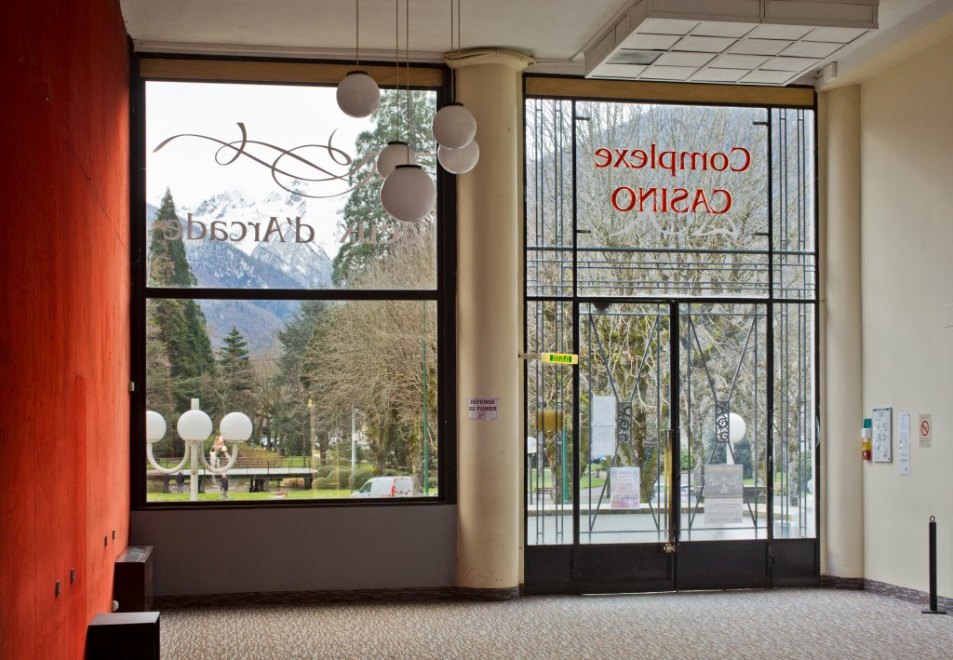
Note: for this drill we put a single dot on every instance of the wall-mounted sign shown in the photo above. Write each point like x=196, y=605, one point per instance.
x=483, y=408
x=559, y=358
x=883, y=435
x=903, y=443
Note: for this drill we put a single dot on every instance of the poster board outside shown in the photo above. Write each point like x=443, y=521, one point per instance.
x=602, y=439
x=724, y=494
x=624, y=487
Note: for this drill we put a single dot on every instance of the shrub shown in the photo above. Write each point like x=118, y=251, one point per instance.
x=339, y=478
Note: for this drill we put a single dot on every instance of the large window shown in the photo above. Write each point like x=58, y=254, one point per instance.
x=672, y=247
x=273, y=284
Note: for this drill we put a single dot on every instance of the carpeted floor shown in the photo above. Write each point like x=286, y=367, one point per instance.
x=821, y=623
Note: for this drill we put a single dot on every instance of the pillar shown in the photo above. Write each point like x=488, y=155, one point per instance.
x=842, y=529
x=489, y=325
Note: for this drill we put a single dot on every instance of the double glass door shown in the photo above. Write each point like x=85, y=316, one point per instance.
x=666, y=485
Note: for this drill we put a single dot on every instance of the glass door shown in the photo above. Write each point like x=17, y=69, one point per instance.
x=671, y=248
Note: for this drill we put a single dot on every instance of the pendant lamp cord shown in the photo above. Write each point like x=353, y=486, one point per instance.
x=357, y=33
x=410, y=125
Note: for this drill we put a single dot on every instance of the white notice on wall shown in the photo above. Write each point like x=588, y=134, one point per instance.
x=624, y=485
x=903, y=443
x=883, y=435
x=925, y=430
x=483, y=408
x=603, y=426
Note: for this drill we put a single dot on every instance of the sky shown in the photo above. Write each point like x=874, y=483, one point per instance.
x=284, y=116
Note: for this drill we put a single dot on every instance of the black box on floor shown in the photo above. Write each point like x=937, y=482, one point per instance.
x=132, y=581
x=132, y=635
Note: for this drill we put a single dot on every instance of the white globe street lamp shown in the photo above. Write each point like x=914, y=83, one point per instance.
x=194, y=428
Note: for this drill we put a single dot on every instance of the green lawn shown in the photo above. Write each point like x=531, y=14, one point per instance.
x=272, y=495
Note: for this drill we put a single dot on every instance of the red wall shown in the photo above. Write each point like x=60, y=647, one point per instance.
x=64, y=318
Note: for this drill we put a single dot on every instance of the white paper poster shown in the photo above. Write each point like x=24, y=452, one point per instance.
x=624, y=487
x=724, y=494
x=602, y=438
x=883, y=435
x=903, y=443
x=483, y=408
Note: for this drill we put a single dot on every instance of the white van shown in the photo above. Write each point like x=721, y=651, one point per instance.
x=387, y=487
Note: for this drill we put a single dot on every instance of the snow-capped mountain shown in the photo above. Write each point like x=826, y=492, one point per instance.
x=233, y=242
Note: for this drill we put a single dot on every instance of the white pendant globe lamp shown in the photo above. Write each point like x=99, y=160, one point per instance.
x=394, y=154
x=358, y=95
x=408, y=193
x=454, y=126
x=459, y=161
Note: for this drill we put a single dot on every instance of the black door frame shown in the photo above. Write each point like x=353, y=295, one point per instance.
x=674, y=565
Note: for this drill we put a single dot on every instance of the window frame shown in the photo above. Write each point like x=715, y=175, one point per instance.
x=542, y=87
x=152, y=67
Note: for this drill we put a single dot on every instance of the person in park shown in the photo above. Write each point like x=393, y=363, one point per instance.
x=218, y=457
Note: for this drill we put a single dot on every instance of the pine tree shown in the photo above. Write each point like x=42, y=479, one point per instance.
x=180, y=362
x=371, y=228
x=235, y=375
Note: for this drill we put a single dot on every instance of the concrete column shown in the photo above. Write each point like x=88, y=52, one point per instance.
x=842, y=528
x=489, y=322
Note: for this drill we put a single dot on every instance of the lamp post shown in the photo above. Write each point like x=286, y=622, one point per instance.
x=195, y=427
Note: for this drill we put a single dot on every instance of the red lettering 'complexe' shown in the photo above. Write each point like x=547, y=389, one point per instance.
x=735, y=159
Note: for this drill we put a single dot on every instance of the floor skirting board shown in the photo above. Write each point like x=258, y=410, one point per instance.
x=459, y=593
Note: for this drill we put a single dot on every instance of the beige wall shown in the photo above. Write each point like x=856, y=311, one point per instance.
x=907, y=279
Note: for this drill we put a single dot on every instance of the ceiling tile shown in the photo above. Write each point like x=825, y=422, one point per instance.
x=790, y=32
x=657, y=72
x=649, y=41
x=722, y=29
x=703, y=44
x=767, y=77
x=628, y=71
x=666, y=26
x=811, y=49
x=789, y=64
x=759, y=47
x=834, y=35
x=684, y=59
x=738, y=61
x=630, y=56
x=720, y=75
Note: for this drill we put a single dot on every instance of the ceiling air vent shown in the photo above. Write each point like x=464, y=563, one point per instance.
x=748, y=42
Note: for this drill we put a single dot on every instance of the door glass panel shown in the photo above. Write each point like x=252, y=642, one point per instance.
x=549, y=394
x=724, y=482
x=624, y=403
x=795, y=421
